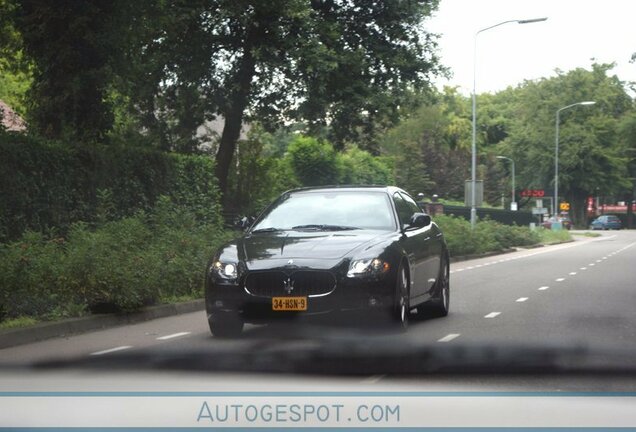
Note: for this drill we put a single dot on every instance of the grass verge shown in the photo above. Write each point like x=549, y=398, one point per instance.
x=551, y=237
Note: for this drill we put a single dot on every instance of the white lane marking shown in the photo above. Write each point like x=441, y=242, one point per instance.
x=543, y=288
x=598, y=261
x=546, y=250
x=492, y=314
x=448, y=337
x=591, y=264
x=572, y=273
x=521, y=299
x=604, y=258
x=172, y=336
x=583, y=268
x=372, y=379
x=111, y=350
x=560, y=279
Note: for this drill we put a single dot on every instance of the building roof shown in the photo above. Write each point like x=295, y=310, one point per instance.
x=10, y=120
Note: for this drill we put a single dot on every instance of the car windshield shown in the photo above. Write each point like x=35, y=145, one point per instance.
x=331, y=210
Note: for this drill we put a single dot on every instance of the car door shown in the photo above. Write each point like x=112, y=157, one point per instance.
x=416, y=243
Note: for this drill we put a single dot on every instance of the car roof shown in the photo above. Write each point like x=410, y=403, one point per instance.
x=348, y=188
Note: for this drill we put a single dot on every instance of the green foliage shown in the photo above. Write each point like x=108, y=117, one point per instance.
x=360, y=167
x=30, y=273
x=488, y=236
x=15, y=70
x=593, y=155
x=428, y=149
x=17, y=323
x=314, y=162
x=118, y=266
x=74, y=47
x=50, y=184
x=550, y=237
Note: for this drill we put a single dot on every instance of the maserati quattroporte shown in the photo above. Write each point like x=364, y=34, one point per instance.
x=330, y=250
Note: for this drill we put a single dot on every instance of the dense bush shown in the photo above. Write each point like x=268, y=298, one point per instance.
x=120, y=265
x=50, y=185
x=487, y=236
x=268, y=165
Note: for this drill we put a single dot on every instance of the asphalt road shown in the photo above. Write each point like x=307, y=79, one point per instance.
x=580, y=292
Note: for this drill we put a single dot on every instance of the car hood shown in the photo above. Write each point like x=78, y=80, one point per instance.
x=327, y=245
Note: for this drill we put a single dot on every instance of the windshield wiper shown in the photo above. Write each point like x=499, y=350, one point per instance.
x=265, y=230
x=325, y=227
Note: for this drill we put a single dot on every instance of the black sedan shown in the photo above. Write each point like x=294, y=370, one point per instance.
x=325, y=250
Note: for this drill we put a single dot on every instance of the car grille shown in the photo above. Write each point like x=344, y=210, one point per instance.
x=277, y=283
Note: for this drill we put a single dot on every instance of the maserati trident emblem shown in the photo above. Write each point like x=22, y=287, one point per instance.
x=288, y=285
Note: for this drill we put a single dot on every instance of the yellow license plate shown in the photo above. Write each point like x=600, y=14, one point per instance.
x=289, y=303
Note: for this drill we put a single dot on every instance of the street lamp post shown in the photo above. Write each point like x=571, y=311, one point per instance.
x=556, y=153
x=512, y=197
x=473, y=208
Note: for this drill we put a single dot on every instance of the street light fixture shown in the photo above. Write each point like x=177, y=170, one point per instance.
x=512, y=198
x=473, y=209
x=556, y=153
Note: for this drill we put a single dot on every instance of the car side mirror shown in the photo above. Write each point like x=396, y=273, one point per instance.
x=244, y=222
x=419, y=220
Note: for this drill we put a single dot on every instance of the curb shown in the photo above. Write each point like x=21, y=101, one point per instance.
x=73, y=326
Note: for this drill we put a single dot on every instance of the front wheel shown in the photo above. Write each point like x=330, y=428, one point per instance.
x=401, y=308
x=225, y=324
x=440, y=304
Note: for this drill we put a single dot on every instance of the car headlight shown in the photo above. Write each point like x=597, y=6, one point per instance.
x=224, y=270
x=369, y=266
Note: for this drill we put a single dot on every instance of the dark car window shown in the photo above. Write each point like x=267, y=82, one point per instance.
x=411, y=203
x=404, y=209
x=357, y=209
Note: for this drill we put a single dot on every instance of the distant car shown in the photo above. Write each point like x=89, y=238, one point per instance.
x=606, y=222
x=565, y=222
x=334, y=249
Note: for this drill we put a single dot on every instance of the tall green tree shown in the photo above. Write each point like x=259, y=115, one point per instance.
x=345, y=64
x=72, y=45
x=591, y=155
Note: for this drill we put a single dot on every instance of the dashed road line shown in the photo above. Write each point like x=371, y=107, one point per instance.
x=111, y=350
x=543, y=288
x=521, y=299
x=560, y=279
x=572, y=273
x=492, y=315
x=174, y=335
x=449, y=337
x=583, y=268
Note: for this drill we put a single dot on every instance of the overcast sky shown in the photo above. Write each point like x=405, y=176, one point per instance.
x=576, y=34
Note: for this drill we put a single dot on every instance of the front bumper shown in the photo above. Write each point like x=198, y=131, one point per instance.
x=349, y=294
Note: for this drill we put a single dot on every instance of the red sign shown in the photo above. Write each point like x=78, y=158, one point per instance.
x=533, y=193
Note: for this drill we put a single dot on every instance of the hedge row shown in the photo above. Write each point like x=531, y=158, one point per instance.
x=50, y=185
x=487, y=236
x=120, y=265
